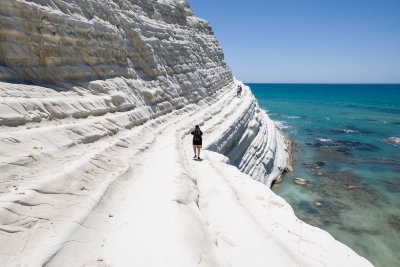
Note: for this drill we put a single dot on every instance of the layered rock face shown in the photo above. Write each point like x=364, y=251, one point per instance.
x=253, y=144
x=81, y=40
x=131, y=60
x=126, y=53
x=142, y=58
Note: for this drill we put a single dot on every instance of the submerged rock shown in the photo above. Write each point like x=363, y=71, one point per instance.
x=306, y=206
x=394, y=222
x=314, y=165
x=342, y=146
x=362, y=230
x=392, y=186
x=333, y=155
x=389, y=110
x=367, y=147
x=381, y=161
x=344, y=185
x=305, y=117
x=321, y=213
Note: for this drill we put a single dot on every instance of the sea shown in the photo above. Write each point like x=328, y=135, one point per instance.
x=344, y=146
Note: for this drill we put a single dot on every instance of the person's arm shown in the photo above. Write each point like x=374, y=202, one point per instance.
x=192, y=132
x=201, y=133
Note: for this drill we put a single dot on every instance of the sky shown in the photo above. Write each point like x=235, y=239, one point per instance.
x=307, y=41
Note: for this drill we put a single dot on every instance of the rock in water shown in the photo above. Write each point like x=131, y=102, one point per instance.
x=300, y=181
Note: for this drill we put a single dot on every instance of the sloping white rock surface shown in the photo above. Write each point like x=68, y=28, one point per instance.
x=96, y=164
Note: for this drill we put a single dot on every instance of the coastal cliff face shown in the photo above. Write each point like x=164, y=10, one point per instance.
x=97, y=99
x=253, y=144
x=153, y=53
x=80, y=40
x=144, y=58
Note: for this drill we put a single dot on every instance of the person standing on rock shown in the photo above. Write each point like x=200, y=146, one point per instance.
x=197, y=141
x=239, y=90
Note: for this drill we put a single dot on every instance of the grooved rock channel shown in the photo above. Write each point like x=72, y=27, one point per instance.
x=97, y=100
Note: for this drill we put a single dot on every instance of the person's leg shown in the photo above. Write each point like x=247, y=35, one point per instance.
x=194, y=150
x=198, y=152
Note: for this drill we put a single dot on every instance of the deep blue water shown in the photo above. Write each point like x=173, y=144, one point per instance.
x=340, y=142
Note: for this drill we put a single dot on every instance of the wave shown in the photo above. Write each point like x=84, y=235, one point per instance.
x=344, y=131
x=394, y=140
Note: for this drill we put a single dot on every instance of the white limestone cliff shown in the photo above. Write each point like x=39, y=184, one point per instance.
x=96, y=102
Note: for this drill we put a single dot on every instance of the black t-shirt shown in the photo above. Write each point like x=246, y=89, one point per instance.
x=197, y=140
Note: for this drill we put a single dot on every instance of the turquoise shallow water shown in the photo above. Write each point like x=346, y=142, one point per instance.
x=341, y=147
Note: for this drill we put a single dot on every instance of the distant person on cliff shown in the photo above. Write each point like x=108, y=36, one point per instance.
x=197, y=141
x=239, y=90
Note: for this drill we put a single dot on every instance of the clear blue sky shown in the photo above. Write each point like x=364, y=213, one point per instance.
x=307, y=41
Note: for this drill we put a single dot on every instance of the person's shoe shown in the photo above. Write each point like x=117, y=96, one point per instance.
x=195, y=156
x=198, y=157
